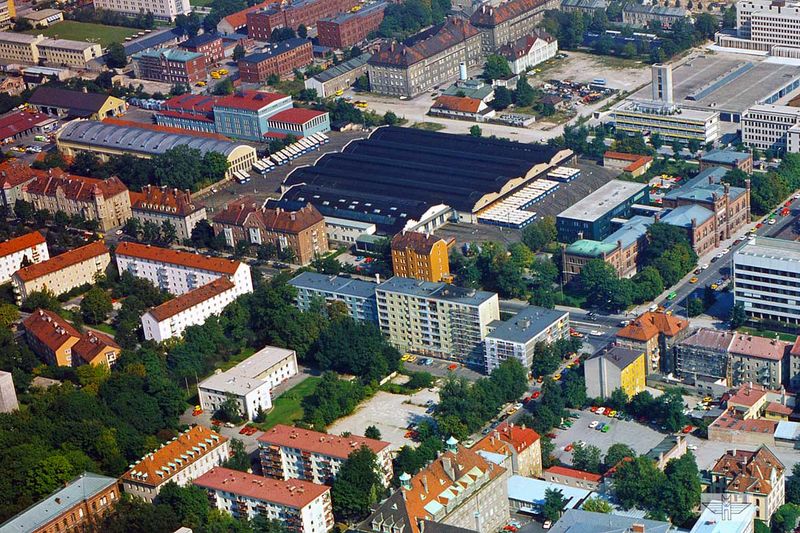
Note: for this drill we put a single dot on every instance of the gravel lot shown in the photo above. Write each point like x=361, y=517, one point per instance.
x=619, y=74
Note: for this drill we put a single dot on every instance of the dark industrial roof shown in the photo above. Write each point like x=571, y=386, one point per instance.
x=78, y=103
x=200, y=40
x=155, y=39
x=275, y=49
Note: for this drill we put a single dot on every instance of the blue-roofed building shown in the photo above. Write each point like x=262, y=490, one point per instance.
x=357, y=295
x=579, y=521
x=83, y=499
x=699, y=223
x=729, y=159
x=517, y=337
x=527, y=494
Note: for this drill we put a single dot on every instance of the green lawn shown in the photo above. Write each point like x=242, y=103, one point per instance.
x=86, y=31
x=428, y=126
x=236, y=359
x=768, y=334
x=105, y=328
x=286, y=409
x=200, y=3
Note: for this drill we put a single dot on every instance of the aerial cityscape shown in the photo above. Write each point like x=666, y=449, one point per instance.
x=399, y=266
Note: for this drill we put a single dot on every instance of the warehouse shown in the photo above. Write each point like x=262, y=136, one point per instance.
x=109, y=139
x=404, y=173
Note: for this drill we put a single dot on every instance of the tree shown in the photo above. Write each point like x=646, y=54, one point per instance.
x=302, y=31
x=238, y=52
x=115, y=56
x=793, y=485
x=616, y=453
x=706, y=25
x=677, y=147
x=47, y=475
x=587, y=458
x=639, y=483
x=390, y=118
x=262, y=524
x=656, y=141
x=695, y=307
x=23, y=210
x=95, y=306
x=618, y=399
x=524, y=94
x=694, y=146
x=240, y=459
x=738, y=317
x=554, y=503
x=682, y=491
x=496, y=68
x=43, y=299
x=190, y=503
x=357, y=485
x=372, y=432
x=355, y=348
x=282, y=34
x=8, y=315
x=502, y=98
x=785, y=518
x=709, y=297
x=475, y=131
x=597, y=505
x=229, y=411
x=538, y=235
x=224, y=87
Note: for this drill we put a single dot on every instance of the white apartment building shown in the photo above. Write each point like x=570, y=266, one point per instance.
x=436, y=318
x=356, y=294
x=517, y=337
x=772, y=127
x=180, y=272
x=193, y=308
x=304, y=507
x=30, y=247
x=530, y=50
x=290, y=452
x=250, y=382
x=186, y=457
x=766, y=279
x=161, y=9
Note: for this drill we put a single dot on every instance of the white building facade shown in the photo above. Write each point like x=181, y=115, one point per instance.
x=31, y=247
x=517, y=337
x=161, y=9
x=772, y=127
x=347, y=231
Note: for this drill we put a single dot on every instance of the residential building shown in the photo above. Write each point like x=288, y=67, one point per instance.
x=95, y=348
x=29, y=249
x=358, y=296
x=520, y=446
x=161, y=9
x=643, y=16
x=170, y=65
x=794, y=367
x=80, y=502
x=461, y=108
x=262, y=21
x=64, y=103
x=420, y=256
x=615, y=367
x=338, y=77
x=757, y=474
x=302, y=506
x=14, y=174
x=348, y=29
x=724, y=516
x=343, y=231
x=42, y=18
x=517, y=337
x=435, y=495
x=703, y=356
x=759, y=360
x=529, y=50
x=105, y=140
x=235, y=23
x=250, y=383
x=50, y=337
x=209, y=44
x=572, y=477
x=729, y=159
x=192, y=308
x=66, y=53
x=656, y=334
x=8, y=395
x=668, y=120
x=158, y=205
x=579, y=520
x=772, y=127
x=584, y=6
x=280, y=59
x=246, y=114
x=527, y=495
x=765, y=280
x=732, y=428
x=106, y=201
x=180, y=272
x=432, y=57
x=505, y=23
x=436, y=318
x=8, y=13
x=295, y=453
x=301, y=231
x=633, y=164
x=64, y=272
x=189, y=455
x=590, y=217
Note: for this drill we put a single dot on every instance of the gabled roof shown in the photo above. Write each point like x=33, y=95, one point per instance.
x=421, y=243
x=488, y=15
x=78, y=103
x=20, y=122
x=316, y=442
x=249, y=100
x=294, y=493
x=687, y=216
x=424, y=44
x=522, y=46
x=758, y=347
x=239, y=19
x=296, y=115
x=50, y=329
x=92, y=344
x=574, y=473
x=76, y=188
x=281, y=220
x=463, y=104
x=164, y=200
x=749, y=472
x=15, y=172
x=23, y=242
x=191, y=299
x=67, y=259
x=175, y=257
x=650, y=324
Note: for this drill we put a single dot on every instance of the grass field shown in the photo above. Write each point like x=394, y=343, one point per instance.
x=200, y=3
x=286, y=409
x=428, y=126
x=85, y=31
x=236, y=359
x=106, y=328
x=788, y=337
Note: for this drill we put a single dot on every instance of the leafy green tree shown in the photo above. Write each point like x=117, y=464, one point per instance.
x=524, y=95
x=793, y=485
x=372, y=432
x=302, y=31
x=47, y=475
x=475, y=131
x=356, y=348
x=8, y=315
x=190, y=503
x=502, y=98
x=357, y=485
x=656, y=141
x=738, y=317
x=695, y=307
x=541, y=233
x=554, y=504
x=639, y=483
x=496, y=68
x=545, y=360
x=587, y=458
x=115, y=56
x=239, y=459
x=43, y=299
x=682, y=490
x=238, y=53
x=23, y=210
x=390, y=118
x=224, y=87
x=95, y=306
x=229, y=411
x=784, y=519
x=262, y=524
x=618, y=399
x=597, y=505
x=616, y=453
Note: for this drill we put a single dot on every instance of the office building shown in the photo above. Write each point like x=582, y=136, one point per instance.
x=520, y=445
x=703, y=356
x=301, y=506
x=245, y=114
x=348, y=29
x=302, y=231
x=80, y=502
x=764, y=26
x=170, y=65
x=64, y=103
x=42, y=18
x=338, y=77
x=529, y=50
x=700, y=225
x=299, y=122
x=209, y=44
x=729, y=159
x=343, y=231
x=106, y=201
x=758, y=475
x=517, y=337
x=66, y=53
x=670, y=122
x=28, y=249
x=590, y=217
x=181, y=460
x=161, y=9
x=434, y=496
x=420, y=256
x=772, y=127
x=615, y=367
x=505, y=23
x=656, y=334
x=179, y=272
x=430, y=58
x=64, y=272
x=20, y=47
x=250, y=383
x=261, y=22
x=160, y=205
x=8, y=395
x=280, y=59
x=643, y=16
x=193, y=308
x=765, y=280
x=358, y=296
x=436, y=318
x=295, y=453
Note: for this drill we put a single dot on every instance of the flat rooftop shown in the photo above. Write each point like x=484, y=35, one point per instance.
x=245, y=376
x=771, y=248
x=436, y=291
x=335, y=284
x=603, y=200
x=526, y=324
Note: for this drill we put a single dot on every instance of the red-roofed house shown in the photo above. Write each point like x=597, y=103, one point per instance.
x=461, y=107
x=755, y=359
x=304, y=507
x=162, y=204
x=529, y=50
x=29, y=248
x=633, y=164
x=572, y=477
x=14, y=175
x=758, y=475
x=289, y=452
x=50, y=337
x=521, y=444
x=656, y=334
x=94, y=349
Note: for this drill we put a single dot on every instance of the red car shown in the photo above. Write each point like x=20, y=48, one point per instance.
x=593, y=408
x=243, y=431
x=688, y=429
x=568, y=448
x=788, y=203
x=535, y=395
x=577, y=361
x=551, y=435
x=759, y=225
x=510, y=528
x=454, y=366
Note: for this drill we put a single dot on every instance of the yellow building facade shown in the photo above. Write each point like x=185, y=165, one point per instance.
x=420, y=256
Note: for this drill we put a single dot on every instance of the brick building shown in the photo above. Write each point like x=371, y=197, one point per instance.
x=208, y=44
x=278, y=58
x=170, y=65
x=348, y=29
x=261, y=22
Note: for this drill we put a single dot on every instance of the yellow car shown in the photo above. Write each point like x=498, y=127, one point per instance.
x=405, y=357
x=340, y=92
x=512, y=410
x=612, y=414
x=557, y=377
x=708, y=399
x=714, y=286
x=200, y=84
x=693, y=280
x=412, y=358
x=215, y=75
x=223, y=71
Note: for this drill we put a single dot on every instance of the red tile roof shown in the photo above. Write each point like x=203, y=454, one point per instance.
x=573, y=473
x=77, y=188
x=796, y=347
x=636, y=160
x=296, y=115
x=749, y=472
x=779, y=409
x=316, y=442
x=463, y=104
x=520, y=437
x=650, y=324
x=294, y=493
x=91, y=345
x=488, y=15
x=59, y=262
x=49, y=328
x=752, y=425
x=280, y=220
x=523, y=45
x=747, y=395
x=14, y=172
x=20, y=122
x=759, y=347
x=17, y=244
x=249, y=100
x=190, y=103
x=239, y=19
x=190, y=299
x=421, y=243
x=175, y=257
x=163, y=200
